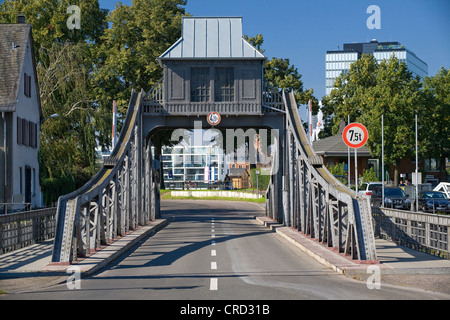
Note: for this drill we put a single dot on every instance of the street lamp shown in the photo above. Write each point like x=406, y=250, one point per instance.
x=52, y=116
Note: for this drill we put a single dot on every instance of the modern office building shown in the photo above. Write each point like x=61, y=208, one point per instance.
x=196, y=164
x=338, y=61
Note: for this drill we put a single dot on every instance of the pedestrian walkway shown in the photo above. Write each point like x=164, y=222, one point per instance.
x=31, y=268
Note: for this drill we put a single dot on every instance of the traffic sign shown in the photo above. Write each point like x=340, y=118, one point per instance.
x=213, y=118
x=355, y=135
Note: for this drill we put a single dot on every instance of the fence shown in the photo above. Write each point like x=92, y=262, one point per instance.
x=425, y=232
x=18, y=230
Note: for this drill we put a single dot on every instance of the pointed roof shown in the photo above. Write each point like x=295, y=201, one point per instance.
x=14, y=39
x=212, y=38
x=335, y=146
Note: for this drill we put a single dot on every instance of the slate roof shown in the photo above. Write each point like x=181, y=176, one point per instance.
x=212, y=38
x=237, y=172
x=13, y=45
x=335, y=146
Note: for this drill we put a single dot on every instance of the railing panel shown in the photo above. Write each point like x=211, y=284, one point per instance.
x=425, y=232
x=18, y=230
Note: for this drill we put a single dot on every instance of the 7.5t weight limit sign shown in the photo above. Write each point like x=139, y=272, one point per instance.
x=355, y=135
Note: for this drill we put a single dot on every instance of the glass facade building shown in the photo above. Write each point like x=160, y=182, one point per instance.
x=190, y=163
x=338, y=62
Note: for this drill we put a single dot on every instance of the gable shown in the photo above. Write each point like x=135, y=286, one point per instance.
x=15, y=41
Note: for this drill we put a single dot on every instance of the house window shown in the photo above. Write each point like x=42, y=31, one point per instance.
x=19, y=130
x=224, y=84
x=27, y=85
x=200, y=84
x=20, y=181
x=25, y=132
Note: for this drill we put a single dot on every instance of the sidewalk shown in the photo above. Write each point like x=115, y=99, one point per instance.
x=398, y=265
x=30, y=268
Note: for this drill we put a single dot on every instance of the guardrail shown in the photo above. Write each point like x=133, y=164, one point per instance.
x=425, y=232
x=18, y=230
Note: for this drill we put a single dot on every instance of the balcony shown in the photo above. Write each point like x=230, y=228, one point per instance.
x=154, y=104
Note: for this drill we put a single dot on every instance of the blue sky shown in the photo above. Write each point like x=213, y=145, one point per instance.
x=304, y=30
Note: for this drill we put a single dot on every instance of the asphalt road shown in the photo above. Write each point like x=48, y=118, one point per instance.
x=216, y=250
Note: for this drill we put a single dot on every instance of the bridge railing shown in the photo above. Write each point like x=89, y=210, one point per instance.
x=18, y=230
x=115, y=201
x=153, y=103
x=421, y=231
x=313, y=200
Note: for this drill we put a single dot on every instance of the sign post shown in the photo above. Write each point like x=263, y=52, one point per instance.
x=355, y=136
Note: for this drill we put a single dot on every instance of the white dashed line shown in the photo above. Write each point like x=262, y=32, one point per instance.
x=213, y=265
x=213, y=284
x=213, y=253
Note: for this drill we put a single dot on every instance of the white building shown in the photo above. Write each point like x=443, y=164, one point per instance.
x=338, y=62
x=21, y=115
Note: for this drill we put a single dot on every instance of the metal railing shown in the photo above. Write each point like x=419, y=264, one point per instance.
x=8, y=208
x=18, y=230
x=425, y=232
x=313, y=201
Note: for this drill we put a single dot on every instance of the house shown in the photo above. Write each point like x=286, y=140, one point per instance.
x=21, y=115
x=333, y=150
x=240, y=178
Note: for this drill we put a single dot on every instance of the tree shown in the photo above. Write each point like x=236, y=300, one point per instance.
x=48, y=19
x=127, y=56
x=435, y=119
x=370, y=90
x=284, y=76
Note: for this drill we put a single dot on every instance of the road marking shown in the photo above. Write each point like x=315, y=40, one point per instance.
x=213, y=253
x=213, y=235
x=213, y=243
x=213, y=284
x=213, y=265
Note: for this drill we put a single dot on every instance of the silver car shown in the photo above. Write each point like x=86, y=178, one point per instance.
x=366, y=189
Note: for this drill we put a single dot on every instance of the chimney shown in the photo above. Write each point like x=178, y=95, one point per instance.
x=21, y=18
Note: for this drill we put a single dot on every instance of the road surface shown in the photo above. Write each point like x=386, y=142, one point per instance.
x=217, y=250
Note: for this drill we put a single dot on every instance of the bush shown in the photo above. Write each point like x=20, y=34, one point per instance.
x=263, y=179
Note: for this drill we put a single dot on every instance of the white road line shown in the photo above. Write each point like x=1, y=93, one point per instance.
x=213, y=284
x=213, y=236
x=213, y=253
x=213, y=265
x=213, y=243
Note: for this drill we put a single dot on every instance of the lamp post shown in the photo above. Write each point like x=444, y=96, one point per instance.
x=52, y=116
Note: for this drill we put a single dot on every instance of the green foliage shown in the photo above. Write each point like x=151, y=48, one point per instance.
x=370, y=90
x=369, y=176
x=81, y=71
x=263, y=179
x=284, y=76
x=338, y=170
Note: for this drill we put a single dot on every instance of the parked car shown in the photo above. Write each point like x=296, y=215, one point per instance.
x=394, y=197
x=366, y=189
x=433, y=201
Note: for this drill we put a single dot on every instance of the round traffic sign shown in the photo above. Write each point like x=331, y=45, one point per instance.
x=355, y=135
x=213, y=118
